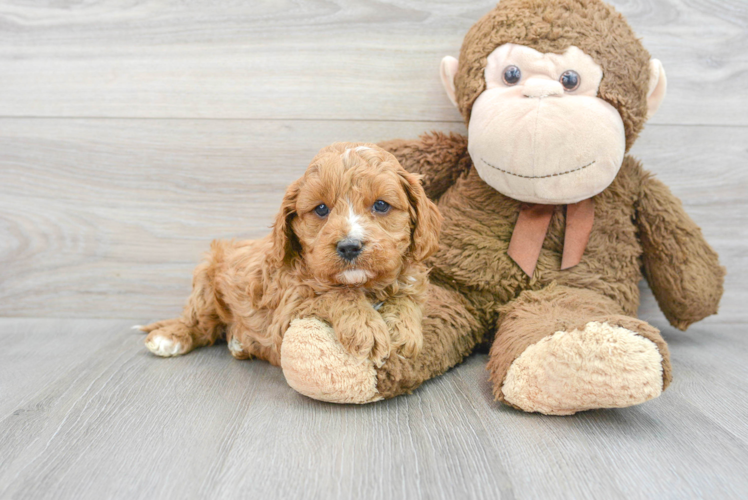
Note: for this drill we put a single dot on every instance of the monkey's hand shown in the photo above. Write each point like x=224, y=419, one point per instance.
x=680, y=266
x=439, y=158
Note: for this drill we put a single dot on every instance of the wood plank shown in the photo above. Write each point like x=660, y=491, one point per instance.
x=127, y=424
x=107, y=218
x=37, y=353
x=80, y=198
x=314, y=59
x=121, y=423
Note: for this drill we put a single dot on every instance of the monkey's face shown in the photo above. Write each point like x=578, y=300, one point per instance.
x=539, y=133
x=554, y=94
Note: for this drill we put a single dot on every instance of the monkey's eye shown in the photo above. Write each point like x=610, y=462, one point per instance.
x=570, y=80
x=381, y=207
x=322, y=210
x=511, y=75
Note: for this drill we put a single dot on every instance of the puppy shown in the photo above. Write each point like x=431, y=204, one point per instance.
x=346, y=247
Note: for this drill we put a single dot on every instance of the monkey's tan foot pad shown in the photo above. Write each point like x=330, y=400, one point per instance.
x=316, y=365
x=601, y=366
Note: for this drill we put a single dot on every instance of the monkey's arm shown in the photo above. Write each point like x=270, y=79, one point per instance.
x=680, y=266
x=440, y=158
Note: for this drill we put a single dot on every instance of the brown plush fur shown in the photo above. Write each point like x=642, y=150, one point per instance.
x=477, y=291
x=252, y=290
x=473, y=279
x=679, y=265
x=479, y=279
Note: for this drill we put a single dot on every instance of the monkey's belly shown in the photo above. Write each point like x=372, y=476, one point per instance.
x=477, y=228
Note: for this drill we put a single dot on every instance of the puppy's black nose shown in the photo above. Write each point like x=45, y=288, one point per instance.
x=349, y=249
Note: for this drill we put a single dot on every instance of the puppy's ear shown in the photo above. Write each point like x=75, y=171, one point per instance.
x=286, y=245
x=425, y=217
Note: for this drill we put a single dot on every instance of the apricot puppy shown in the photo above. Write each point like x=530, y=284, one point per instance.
x=347, y=247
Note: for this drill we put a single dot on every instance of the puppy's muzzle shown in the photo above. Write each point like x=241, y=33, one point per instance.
x=349, y=249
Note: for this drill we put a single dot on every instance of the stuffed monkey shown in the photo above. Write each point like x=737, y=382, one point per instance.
x=548, y=226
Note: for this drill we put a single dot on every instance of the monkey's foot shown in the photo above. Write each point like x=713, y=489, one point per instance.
x=316, y=365
x=601, y=365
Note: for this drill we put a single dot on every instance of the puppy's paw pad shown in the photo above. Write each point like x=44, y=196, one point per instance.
x=164, y=346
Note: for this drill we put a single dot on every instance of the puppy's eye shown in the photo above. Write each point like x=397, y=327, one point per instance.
x=322, y=210
x=570, y=80
x=511, y=75
x=381, y=207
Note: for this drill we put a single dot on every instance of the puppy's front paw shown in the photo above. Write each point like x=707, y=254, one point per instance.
x=364, y=337
x=168, y=338
x=403, y=320
x=407, y=339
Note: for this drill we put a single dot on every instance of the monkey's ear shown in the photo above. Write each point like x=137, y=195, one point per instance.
x=657, y=87
x=448, y=72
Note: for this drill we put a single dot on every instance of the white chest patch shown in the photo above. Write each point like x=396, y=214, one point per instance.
x=353, y=277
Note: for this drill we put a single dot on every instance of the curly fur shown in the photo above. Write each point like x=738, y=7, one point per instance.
x=250, y=291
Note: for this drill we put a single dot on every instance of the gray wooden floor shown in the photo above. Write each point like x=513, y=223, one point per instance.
x=88, y=413
x=132, y=132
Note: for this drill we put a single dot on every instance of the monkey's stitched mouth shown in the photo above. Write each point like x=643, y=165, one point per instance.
x=539, y=176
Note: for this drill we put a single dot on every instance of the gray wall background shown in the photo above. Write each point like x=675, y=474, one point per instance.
x=134, y=132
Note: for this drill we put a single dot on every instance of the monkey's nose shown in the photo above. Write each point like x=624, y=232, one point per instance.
x=349, y=249
x=542, y=87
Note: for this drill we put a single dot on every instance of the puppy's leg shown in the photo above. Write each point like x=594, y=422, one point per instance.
x=200, y=323
x=315, y=364
x=244, y=343
x=403, y=317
